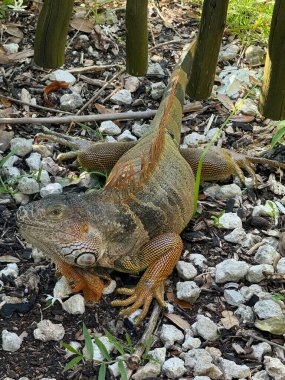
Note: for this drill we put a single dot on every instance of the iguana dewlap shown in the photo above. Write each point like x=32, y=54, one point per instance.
x=133, y=223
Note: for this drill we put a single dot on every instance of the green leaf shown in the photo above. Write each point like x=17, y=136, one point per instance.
x=72, y=363
x=4, y=159
x=88, y=342
x=102, y=372
x=275, y=325
x=277, y=137
x=71, y=349
x=102, y=348
x=122, y=370
x=115, y=342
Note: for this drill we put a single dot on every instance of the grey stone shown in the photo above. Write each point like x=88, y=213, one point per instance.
x=201, y=378
x=250, y=239
x=195, y=355
x=173, y=368
x=230, y=221
x=11, y=161
x=237, y=236
x=267, y=309
x=158, y=354
x=194, y=139
x=61, y=289
x=46, y=331
x=70, y=102
x=249, y=291
x=248, y=107
x=233, y=81
x=132, y=83
x=51, y=189
x=231, y=270
x=157, y=90
x=274, y=367
x=211, y=133
x=206, y=328
x=11, y=48
x=256, y=272
x=233, y=297
x=266, y=254
x=149, y=370
x=155, y=70
x=245, y=314
x=10, y=341
x=34, y=161
x=281, y=265
x=233, y=370
x=262, y=210
x=229, y=52
x=11, y=173
x=228, y=191
x=28, y=186
x=191, y=343
x=212, y=191
x=10, y=270
x=208, y=369
x=254, y=55
x=50, y=166
x=21, y=199
x=198, y=259
x=188, y=291
x=44, y=177
x=109, y=128
x=260, y=349
x=122, y=98
x=21, y=147
x=37, y=255
x=74, y=305
x=260, y=375
x=170, y=334
x=139, y=129
x=127, y=136
x=186, y=270
x=62, y=75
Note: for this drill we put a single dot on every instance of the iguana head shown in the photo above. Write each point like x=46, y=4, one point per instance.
x=60, y=227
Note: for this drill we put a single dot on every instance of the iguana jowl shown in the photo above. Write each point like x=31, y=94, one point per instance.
x=133, y=223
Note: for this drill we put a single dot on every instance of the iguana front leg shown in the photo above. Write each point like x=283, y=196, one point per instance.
x=159, y=256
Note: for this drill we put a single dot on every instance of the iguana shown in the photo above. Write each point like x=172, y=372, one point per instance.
x=133, y=223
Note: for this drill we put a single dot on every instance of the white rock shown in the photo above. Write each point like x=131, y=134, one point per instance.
x=233, y=297
x=114, y=369
x=37, y=255
x=21, y=147
x=260, y=349
x=260, y=375
x=173, y=368
x=233, y=370
x=186, y=270
x=245, y=314
x=97, y=355
x=198, y=259
x=229, y=52
x=158, y=354
x=10, y=270
x=274, y=368
x=61, y=289
x=46, y=330
x=150, y=370
x=211, y=133
x=51, y=189
x=74, y=344
x=10, y=341
x=212, y=191
x=62, y=75
x=188, y=291
x=34, y=161
x=70, y=102
x=201, y=378
x=237, y=236
x=233, y=81
x=254, y=55
x=206, y=328
x=44, y=177
x=155, y=70
x=170, y=334
x=281, y=265
x=228, y=191
x=194, y=139
x=122, y=97
x=132, y=83
x=248, y=107
x=192, y=357
x=191, y=343
x=208, y=369
x=139, y=129
x=256, y=272
x=157, y=90
x=110, y=139
x=11, y=173
x=249, y=291
x=11, y=161
x=109, y=128
x=110, y=288
x=250, y=239
x=11, y=48
x=230, y=270
x=132, y=317
x=127, y=136
x=21, y=199
x=266, y=254
x=267, y=309
x=74, y=304
x=28, y=186
x=262, y=210
x=230, y=221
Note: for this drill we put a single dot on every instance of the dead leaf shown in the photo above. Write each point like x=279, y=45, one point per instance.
x=229, y=319
x=6, y=102
x=193, y=106
x=104, y=111
x=178, y=321
x=275, y=325
x=9, y=259
x=14, y=31
x=5, y=59
x=226, y=101
x=104, y=43
x=82, y=24
x=53, y=87
x=5, y=138
x=243, y=118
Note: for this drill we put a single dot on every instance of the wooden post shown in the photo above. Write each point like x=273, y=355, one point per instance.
x=137, y=37
x=51, y=33
x=272, y=96
x=210, y=35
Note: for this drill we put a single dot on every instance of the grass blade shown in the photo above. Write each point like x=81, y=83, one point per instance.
x=71, y=349
x=88, y=341
x=102, y=372
x=122, y=370
x=115, y=342
x=72, y=363
x=278, y=136
x=102, y=349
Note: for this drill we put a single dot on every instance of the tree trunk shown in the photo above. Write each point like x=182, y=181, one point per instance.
x=272, y=96
x=210, y=35
x=137, y=37
x=51, y=33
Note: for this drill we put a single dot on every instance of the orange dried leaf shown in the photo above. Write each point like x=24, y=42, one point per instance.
x=52, y=87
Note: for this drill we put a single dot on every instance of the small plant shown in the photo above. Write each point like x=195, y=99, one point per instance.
x=4, y=7
x=274, y=212
x=88, y=355
x=17, y=5
x=5, y=187
x=279, y=135
x=216, y=219
x=278, y=297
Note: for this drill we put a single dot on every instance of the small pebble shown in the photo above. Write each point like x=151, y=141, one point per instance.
x=27, y=185
x=46, y=331
x=51, y=189
x=74, y=305
x=122, y=98
x=188, y=291
x=206, y=328
x=186, y=270
x=62, y=75
x=109, y=128
x=267, y=309
x=170, y=334
x=173, y=368
x=127, y=136
x=10, y=341
x=231, y=270
x=21, y=147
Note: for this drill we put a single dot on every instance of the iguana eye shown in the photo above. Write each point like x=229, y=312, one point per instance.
x=55, y=212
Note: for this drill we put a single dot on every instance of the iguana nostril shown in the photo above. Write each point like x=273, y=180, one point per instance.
x=86, y=259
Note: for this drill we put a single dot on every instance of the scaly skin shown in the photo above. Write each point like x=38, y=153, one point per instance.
x=133, y=224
